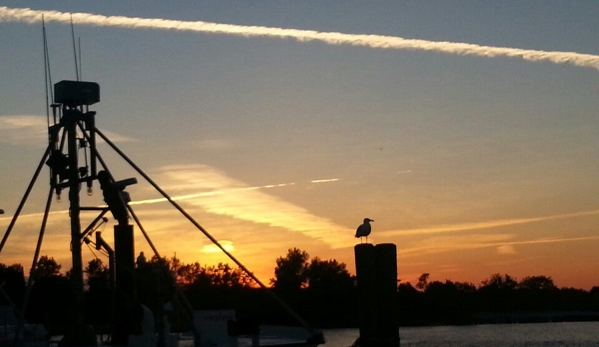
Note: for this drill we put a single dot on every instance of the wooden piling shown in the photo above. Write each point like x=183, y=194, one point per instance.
x=125, y=295
x=376, y=270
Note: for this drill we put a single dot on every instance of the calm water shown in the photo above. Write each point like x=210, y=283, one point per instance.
x=500, y=335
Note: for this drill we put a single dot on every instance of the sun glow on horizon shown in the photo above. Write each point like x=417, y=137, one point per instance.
x=227, y=245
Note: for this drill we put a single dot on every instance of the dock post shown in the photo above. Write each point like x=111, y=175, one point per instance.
x=125, y=294
x=376, y=270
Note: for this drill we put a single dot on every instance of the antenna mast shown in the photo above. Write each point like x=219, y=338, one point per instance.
x=74, y=49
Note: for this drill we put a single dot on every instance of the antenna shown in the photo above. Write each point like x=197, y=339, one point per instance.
x=74, y=48
x=79, y=54
x=47, y=76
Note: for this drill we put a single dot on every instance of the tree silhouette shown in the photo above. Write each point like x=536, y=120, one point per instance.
x=422, y=281
x=329, y=299
x=449, y=301
x=43, y=308
x=328, y=275
x=96, y=268
x=537, y=293
x=222, y=276
x=537, y=283
x=498, y=293
x=322, y=291
x=98, y=274
x=47, y=267
x=291, y=271
x=99, y=296
x=500, y=283
x=186, y=274
x=12, y=280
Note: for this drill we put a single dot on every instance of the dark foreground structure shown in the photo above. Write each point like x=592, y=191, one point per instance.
x=376, y=269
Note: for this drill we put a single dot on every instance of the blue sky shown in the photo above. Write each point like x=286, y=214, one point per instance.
x=472, y=165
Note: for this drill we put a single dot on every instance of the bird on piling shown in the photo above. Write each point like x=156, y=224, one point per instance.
x=364, y=229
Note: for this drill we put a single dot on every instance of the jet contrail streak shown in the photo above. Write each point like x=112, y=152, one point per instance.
x=334, y=38
x=487, y=224
x=209, y=193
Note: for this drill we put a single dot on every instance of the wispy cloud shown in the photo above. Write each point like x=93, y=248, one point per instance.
x=506, y=249
x=503, y=244
x=485, y=224
x=441, y=244
x=23, y=130
x=552, y=240
x=223, y=195
x=211, y=248
x=27, y=15
x=215, y=192
x=28, y=130
x=325, y=180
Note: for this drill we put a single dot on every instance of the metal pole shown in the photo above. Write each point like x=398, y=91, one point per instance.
x=77, y=270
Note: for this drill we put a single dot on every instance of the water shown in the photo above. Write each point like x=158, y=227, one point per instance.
x=585, y=334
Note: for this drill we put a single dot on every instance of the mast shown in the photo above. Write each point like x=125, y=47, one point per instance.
x=77, y=269
x=70, y=97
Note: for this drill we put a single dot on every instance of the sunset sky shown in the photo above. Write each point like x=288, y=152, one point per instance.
x=469, y=131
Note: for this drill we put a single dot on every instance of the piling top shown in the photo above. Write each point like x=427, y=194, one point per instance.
x=386, y=246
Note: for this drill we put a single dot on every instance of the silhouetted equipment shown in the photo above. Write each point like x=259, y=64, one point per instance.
x=102, y=244
x=364, y=229
x=115, y=195
x=70, y=97
x=376, y=271
x=76, y=93
x=72, y=136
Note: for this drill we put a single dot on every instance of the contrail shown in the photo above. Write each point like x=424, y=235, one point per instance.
x=334, y=38
x=208, y=193
x=407, y=252
x=487, y=224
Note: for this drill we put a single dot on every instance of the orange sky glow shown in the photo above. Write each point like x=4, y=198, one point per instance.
x=469, y=135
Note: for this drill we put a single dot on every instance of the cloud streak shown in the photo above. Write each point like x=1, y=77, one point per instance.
x=30, y=130
x=30, y=16
x=486, y=224
x=217, y=193
x=223, y=195
x=502, y=243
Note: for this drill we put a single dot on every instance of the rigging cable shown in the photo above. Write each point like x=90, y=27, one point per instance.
x=275, y=297
x=24, y=199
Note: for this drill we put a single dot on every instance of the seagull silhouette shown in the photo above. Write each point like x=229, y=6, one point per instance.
x=364, y=229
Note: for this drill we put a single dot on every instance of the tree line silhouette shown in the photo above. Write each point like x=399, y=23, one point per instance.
x=321, y=291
